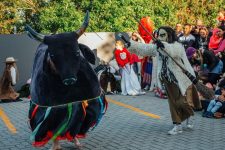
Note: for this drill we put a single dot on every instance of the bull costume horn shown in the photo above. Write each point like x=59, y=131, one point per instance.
x=84, y=25
x=33, y=34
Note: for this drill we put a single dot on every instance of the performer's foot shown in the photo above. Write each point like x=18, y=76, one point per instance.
x=133, y=94
x=190, y=122
x=176, y=129
x=77, y=143
x=56, y=145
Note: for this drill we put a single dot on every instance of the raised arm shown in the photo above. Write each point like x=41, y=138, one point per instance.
x=142, y=49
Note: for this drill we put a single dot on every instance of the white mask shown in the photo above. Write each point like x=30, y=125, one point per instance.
x=163, y=36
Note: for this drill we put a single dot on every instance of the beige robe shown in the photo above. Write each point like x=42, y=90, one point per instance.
x=8, y=93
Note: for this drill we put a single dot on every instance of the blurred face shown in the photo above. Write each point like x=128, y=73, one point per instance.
x=196, y=30
x=223, y=91
x=119, y=45
x=134, y=37
x=220, y=33
x=178, y=28
x=203, y=33
x=163, y=36
x=187, y=30
x=195, y=55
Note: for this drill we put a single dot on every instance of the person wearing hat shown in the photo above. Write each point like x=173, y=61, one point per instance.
x=8, y=80
x=190, y=52
x=194, y=58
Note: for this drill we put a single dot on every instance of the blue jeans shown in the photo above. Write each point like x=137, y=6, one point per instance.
x=218, y=68
x=214, y=105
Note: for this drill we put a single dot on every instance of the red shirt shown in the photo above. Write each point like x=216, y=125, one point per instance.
x=134, y=58
x=122, y=57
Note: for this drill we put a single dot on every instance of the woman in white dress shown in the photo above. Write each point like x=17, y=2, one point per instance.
x=129, y=82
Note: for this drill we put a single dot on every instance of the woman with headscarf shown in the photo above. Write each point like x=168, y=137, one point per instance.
x=221, y=48
x=215, y=39
x=8, y=80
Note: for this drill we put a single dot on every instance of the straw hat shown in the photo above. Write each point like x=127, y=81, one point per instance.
x=10, y=60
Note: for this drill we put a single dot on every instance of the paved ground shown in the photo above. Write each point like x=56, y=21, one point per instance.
x=123, y=128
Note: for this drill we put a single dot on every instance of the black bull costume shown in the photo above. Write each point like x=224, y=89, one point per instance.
x=66, y=96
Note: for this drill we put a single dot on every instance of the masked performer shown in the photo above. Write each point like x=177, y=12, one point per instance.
x=177, y=84
x=8, y=80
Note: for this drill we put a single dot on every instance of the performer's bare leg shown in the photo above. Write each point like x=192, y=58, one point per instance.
x=77, y=143
x=56, y=145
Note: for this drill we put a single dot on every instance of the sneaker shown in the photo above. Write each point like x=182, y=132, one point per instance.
x=176, y=129
x=190, y=122
x=133, y=94
x=210, y=115
x=205, y=113
x=123, y=94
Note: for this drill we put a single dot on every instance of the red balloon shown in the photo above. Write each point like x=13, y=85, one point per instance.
x=148, y=24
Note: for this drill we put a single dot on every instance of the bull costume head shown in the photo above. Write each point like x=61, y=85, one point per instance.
x=63, y=68
x=64, y=51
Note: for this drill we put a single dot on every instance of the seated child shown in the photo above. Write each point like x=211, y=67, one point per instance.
x=215, y=104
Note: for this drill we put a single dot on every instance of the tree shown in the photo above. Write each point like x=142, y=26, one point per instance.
x=14, y=13
x=52, y=16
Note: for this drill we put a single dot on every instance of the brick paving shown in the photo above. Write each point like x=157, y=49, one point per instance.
x=124, y=129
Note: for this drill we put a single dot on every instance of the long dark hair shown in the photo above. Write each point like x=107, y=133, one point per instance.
x=171, y=34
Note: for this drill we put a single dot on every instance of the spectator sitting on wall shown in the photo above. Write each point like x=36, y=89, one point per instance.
x=215, y=39
x=215, y=104
x=202, y=41
x=220, y=34
x=194, y=58
x=187, y=40
x=213, y=64
x=196, y=28
x=179, y=30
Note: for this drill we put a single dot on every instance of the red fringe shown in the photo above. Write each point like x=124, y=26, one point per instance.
x=34, y=112
x=49, y=135
x=81, y=136
x=67, y=136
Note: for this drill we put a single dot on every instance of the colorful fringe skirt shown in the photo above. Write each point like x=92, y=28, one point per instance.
x=65, y=122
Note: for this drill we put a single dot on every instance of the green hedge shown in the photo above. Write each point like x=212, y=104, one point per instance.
x=52, y=16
